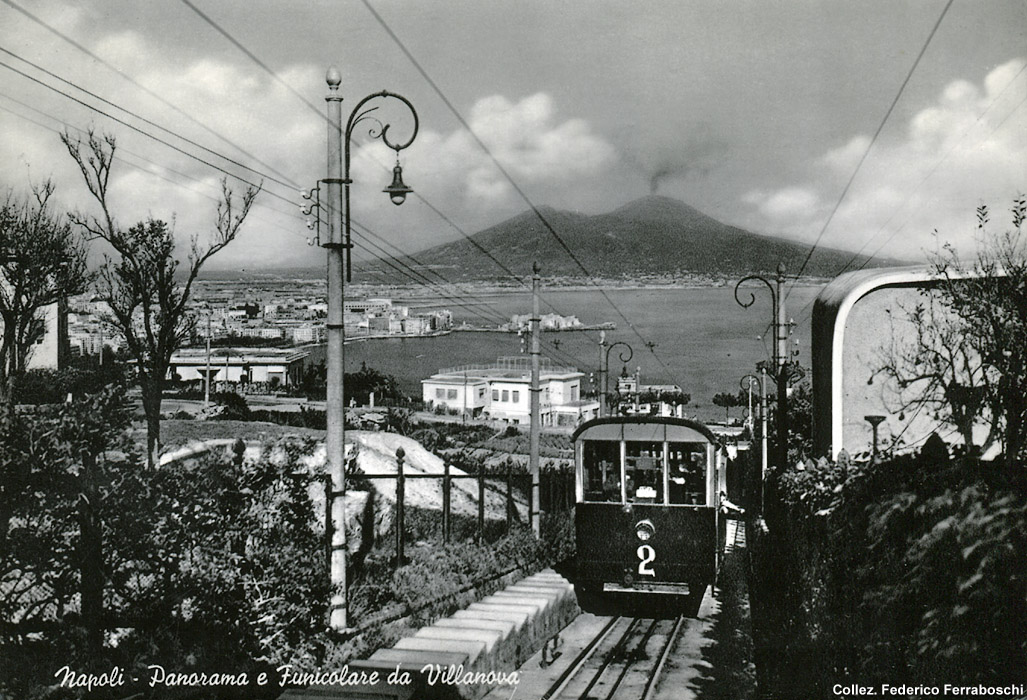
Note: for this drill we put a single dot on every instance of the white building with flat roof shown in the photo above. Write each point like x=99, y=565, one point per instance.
x=50, y=349
x=502, y=391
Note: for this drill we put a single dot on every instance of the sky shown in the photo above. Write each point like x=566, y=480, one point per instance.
x=755, y=112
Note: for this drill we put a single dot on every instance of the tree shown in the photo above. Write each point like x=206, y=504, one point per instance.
x=42, y=262
x=966, y=362
x=727, y=402
x=147, y=304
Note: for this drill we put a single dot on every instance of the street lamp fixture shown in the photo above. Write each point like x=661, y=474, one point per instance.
x=397, y=191
x=875, y=422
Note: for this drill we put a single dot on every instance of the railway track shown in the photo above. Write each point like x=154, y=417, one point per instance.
x=622, y=661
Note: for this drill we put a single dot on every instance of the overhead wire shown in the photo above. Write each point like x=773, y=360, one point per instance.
x=217, y=27
x=931, y=172
x=867, y=259
x=517, y=188
x=137, y=129
x=873, y=140
x=133, y=81
x=282, y=179
x=457, y=295
x=997, y=127
x=285, y=183
x=554, y=353
x=258, y=205
x=253, y=57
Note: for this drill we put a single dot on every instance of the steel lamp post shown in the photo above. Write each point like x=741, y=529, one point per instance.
x=336, y=204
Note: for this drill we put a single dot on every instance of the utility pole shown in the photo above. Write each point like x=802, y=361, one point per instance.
x=603, y=370
x=334, y=406
x=206, y=381
x=749, y=420
x=781, y=357
x=763, y=429
x=536, y=418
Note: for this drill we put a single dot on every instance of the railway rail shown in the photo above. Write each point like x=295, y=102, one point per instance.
x=622, y=661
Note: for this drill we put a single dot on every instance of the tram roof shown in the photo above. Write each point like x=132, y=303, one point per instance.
x=648, y=420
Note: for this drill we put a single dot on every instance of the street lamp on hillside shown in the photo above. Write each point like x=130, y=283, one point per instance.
x=339, y=245
x=777, y=321
x=604, y=367
x=747, y=383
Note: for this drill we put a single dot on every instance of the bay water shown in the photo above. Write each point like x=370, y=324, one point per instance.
x=702, y=339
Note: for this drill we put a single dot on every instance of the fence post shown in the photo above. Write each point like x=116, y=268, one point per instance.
x=400, y=493
x=91, y=582
x=481, y=505
x=509, y=497
x=447, y=484
x=531, y=499
x=329, y=525
x=552, y=490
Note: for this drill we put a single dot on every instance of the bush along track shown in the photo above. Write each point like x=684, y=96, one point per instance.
x=911, y=570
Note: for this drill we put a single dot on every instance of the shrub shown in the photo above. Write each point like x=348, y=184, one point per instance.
x=235, y=405
x=47, y=386
x=904, y=566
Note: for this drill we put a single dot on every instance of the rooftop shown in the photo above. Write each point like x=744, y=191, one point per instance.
x=240, y=355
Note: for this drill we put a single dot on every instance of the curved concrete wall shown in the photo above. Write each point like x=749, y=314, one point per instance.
x=855, y=318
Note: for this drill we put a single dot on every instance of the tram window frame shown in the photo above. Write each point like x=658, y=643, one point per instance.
x=644, y=468
x=598, y=487
x=687, y=464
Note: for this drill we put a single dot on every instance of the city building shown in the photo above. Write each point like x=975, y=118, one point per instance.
x=547, y=322
x=263, y=368
x=502, y=391
x=308, y=333
x=649, y=399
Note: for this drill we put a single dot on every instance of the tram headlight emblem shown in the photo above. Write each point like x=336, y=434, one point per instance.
x=644, y=530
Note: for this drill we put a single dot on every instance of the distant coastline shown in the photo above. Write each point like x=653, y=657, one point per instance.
x=358, y=289
x=353, y=338
x=467, y=328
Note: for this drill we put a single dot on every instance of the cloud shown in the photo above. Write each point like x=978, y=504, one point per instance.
x=247, y=107
x=787, y=205
x=528, y=141
x=552, y=160
x=966, y=147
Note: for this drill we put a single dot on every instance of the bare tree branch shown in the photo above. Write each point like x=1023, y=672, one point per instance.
x=148, y=305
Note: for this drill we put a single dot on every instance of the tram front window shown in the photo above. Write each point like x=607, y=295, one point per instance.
x=687, y=479
x=644, y=470
x=602, y=470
